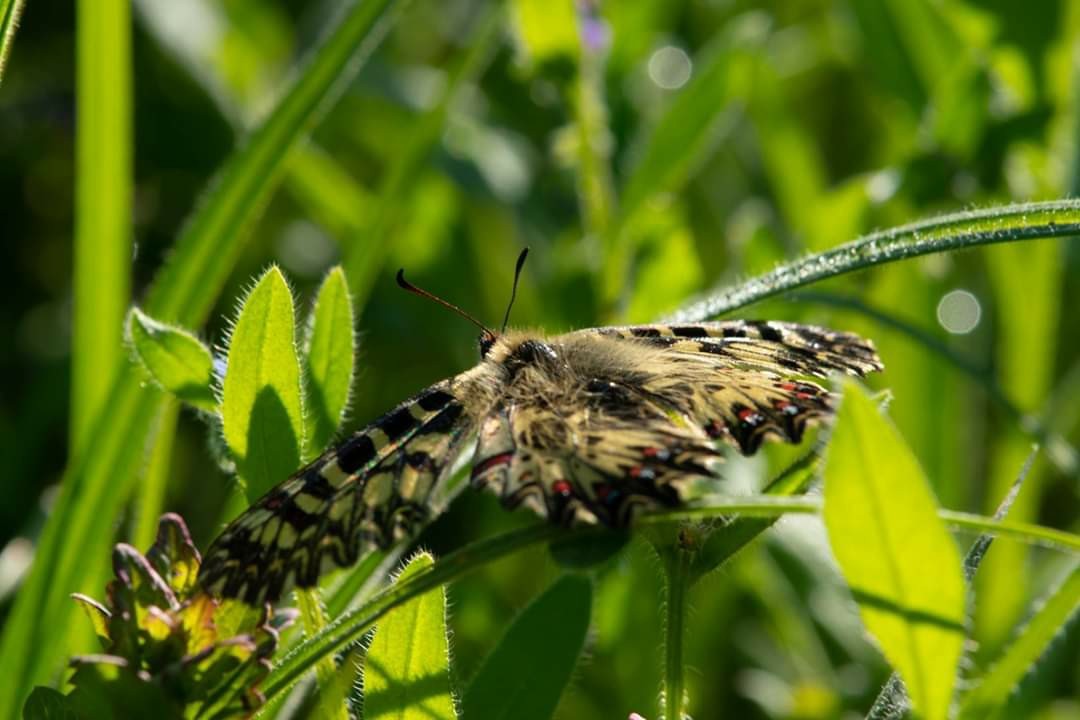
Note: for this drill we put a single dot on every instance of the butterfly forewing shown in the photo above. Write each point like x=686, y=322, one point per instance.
x=369, y=492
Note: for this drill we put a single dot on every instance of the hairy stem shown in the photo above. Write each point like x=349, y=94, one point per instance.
x=677, y=571
x=1024, y=221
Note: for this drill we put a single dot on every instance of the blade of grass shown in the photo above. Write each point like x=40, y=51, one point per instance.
x=353, y=624
x=10, y=11
x=246, y=180
x=596, y=191
x=367, y=248
x=96, y=484
x=971, y=228
x=1056, y=612
x=151, y=491
x=103, y=225
x=681, y=140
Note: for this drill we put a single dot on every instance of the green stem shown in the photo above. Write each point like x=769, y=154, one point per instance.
x=677, y=571
x=1024, y=221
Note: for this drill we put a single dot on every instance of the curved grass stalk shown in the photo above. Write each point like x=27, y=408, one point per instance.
x=351, y=626
x=988, y=226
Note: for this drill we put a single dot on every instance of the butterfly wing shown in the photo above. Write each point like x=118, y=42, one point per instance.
x=368, y=492
x=611, y=420
x=753, y=379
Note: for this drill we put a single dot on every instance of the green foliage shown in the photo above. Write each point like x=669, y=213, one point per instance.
x=646, y=151
x=525, y=674
x=899, y=560
x=177, y=361
x=406, y=670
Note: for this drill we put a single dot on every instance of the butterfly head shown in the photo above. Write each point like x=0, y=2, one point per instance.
x=488, y=337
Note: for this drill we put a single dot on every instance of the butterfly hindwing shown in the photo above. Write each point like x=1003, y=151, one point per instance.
x=368, y=492
x=744, y=381
x=608, y=420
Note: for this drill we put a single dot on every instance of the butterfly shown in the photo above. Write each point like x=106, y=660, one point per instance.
x=589, y=427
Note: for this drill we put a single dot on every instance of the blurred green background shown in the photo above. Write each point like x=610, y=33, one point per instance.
x=646, y=151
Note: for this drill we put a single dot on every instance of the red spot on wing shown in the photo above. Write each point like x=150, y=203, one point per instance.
x=561, y=487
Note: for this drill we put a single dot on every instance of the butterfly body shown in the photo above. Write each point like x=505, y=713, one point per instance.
x=589, y=427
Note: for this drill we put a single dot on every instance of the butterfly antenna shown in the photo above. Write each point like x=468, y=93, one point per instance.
x=513, y=291
x=406, y=285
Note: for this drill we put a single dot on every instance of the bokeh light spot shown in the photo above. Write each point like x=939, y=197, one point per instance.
x=959, y=312
x=670, y=67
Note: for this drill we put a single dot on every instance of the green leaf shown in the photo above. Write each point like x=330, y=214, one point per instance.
x=902, y=565
x=407, y=670
x=175, y=358
x=261, y=405
x=993, y=689
x=524, y=676
x=45, y=703
x=330, y=359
